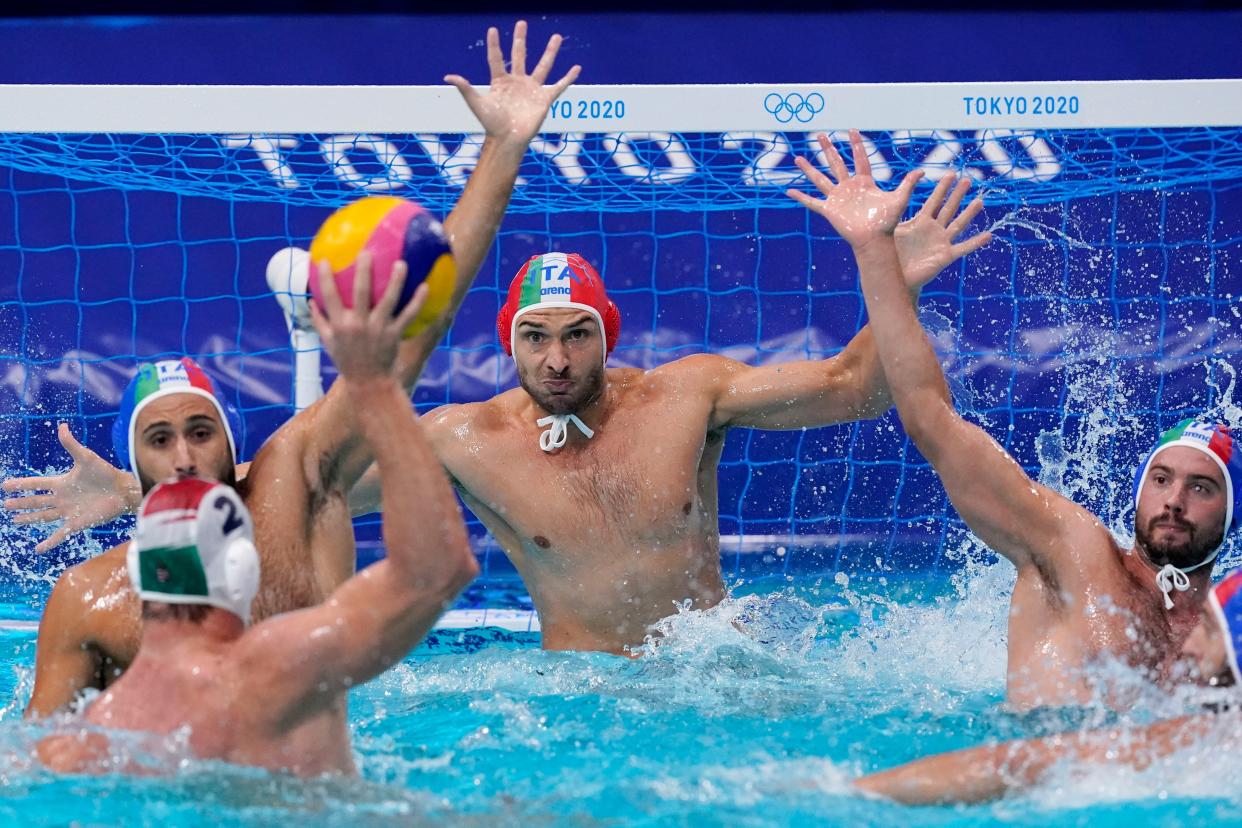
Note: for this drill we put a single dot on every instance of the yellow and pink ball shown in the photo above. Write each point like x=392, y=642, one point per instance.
x=391, y=229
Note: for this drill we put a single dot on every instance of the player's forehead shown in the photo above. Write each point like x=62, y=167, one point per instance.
x=556, y=318
x=176, y=409
x=1186, y=461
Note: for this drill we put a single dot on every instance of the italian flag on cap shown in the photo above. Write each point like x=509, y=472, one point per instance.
x=558, y=280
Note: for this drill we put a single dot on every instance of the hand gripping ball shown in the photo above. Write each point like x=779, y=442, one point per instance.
x=390, y=228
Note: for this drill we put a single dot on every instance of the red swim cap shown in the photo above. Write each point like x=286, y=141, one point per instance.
x=558, y=280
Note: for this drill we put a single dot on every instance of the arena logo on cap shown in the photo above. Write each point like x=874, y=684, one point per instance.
x=555, y=277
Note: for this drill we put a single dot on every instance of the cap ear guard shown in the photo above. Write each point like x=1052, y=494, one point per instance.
x=612, y=325
x=241, y=574
x=504, y=328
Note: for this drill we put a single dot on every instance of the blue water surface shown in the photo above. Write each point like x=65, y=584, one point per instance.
x=758, y=712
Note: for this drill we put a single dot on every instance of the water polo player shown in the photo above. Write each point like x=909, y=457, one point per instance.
x=298, y=483
x=607, y=500
x=271, y=695
x=1079, y=596
x=985, y=773
x=600, y=484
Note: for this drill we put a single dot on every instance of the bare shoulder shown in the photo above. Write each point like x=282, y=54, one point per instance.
x=706, y=373
x=103, y=573
x=280, y=454
x=1082, y=545
x=95, y=587
x=696, y=370
x=450, y=424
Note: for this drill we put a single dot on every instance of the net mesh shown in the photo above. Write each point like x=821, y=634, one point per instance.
x=1104, y=311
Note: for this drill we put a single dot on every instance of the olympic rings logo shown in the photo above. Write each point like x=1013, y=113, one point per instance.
x=794, y=106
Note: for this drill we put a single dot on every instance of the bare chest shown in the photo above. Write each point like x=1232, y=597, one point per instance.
x=635, y=479
x=1106, y=617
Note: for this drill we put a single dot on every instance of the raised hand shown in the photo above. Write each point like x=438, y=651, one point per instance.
x=855, y=206
x=925, y=242
x=92, y=492
x=516, y=103
x=363, y=340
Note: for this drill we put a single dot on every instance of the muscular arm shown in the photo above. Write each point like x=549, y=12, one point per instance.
x=804, y=394
x=985, y=773
x=511, y=115
x=999, y=502
x=365, y=496
x=377, y=616
x=88, y=600
x=1012, y=514
x=64, y=663
x=852, y=385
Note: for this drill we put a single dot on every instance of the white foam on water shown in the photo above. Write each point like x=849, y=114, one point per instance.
x=1210, y=770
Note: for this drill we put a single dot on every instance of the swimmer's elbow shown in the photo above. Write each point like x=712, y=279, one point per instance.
x=466, y=567
x=928, y=421
x=454, y=569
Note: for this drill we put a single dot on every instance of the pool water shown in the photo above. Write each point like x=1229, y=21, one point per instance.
x=755, y=713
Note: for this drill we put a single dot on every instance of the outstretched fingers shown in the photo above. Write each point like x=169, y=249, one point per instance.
x=810, y=202
x=30, y=503
x=565, y=82
x=862, y=164
x=972, y=244
x=495, y=59
x=41, y=516
x=822, y=182
x=835, y=164
x=906, y=188
x=464, y=87
x=518, y=62
x=24, y=484
x=544, y=66
x=955, y=201
x=54, y=540
x=966, y=217
x=931, y=207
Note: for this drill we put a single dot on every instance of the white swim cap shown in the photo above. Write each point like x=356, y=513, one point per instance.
x=195, y=545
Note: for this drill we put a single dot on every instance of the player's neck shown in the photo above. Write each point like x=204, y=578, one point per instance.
x=1143, y=570
x=166, y=636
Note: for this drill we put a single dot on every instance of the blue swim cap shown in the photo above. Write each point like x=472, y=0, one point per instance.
x=160, y=379
x=1226, y=602
x=1214, y=440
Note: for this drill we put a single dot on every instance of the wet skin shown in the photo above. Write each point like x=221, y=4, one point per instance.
x=90, y=630
x=297, y=485
x=1080, y=597
x=611, y=534
x=992, y=771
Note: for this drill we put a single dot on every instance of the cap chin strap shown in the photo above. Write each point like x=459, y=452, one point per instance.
x=1170, y=578
x=558, y=430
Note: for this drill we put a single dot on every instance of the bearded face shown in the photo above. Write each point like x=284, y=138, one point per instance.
x=559, y=353
x=1168, y=539
x=1180, y=516
x=182, y=435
